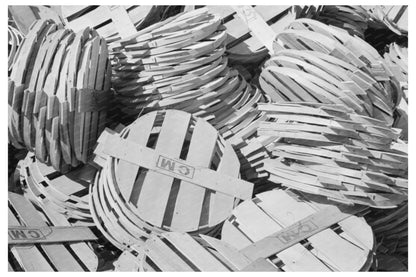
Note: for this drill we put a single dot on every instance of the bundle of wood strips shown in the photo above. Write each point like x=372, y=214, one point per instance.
x=307, y=34
x=58, y=94
x=66, y=194
x=329, y=150
x=309, y=76
x=179, y=64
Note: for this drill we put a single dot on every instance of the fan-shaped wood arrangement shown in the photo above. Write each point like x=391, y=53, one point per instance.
x=329, y=150
x=112, y=22
x=307, y=34
x=166, y=171
x=35, y=244
x=179, y=64
x=58, y=94
x=299, y=233
x=309, y=76
x=66, y=194
x=174, y=251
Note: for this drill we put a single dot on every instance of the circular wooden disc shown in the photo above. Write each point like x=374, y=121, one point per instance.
x=345, y=246
x=151, y=200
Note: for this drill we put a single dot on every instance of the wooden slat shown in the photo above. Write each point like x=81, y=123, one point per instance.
x=190, y=197
x=230, y=254
x=164, y=257
x=59, y=256
x=29, y=258
x=158, y=186
x=24, y=235
x=199, y=256
x=257, y=25
x=221, y=204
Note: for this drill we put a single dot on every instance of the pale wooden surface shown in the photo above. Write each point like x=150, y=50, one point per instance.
x=58, y=94
x=174, y=251
x=277, y=209
x=68, y=194
x=182, y=200
x=61, y=258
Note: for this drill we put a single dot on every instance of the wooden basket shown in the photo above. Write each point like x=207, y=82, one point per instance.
x=173, y=251
x=181, y=65
x=304, y=75
x=349, y=48
x=36, y=244
x=336, y=153
x=195, y=171
x=66, y=194
x=297, y=233
x=58, y=94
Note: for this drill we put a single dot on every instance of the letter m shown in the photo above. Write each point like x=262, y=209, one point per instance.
x=166, y=164
x=17, y=234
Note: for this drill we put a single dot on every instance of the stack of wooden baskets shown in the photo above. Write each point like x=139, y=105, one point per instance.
x=330, y=151
x=179, y=64
x=59, y=90
x=305, y=168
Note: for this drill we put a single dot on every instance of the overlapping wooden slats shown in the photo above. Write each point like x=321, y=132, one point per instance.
x=307, y=34
x=58, y=94
x=174, y=251
x=113, y=22
x=180, y=64
x=169, y=176
x=331, y=151
x=305, y=75
x=344, y=246
x=74, y=256
x=67, y=194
